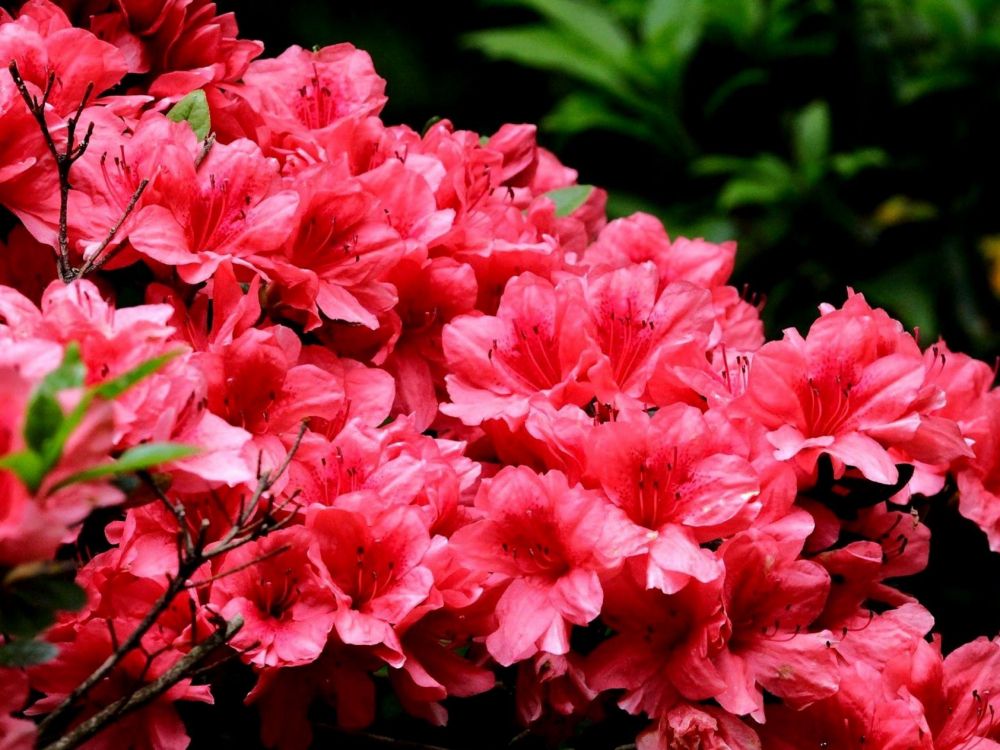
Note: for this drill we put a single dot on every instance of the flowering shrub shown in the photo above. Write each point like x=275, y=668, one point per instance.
x=363, y=408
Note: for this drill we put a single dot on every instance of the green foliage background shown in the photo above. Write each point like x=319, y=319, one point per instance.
x=841, y=142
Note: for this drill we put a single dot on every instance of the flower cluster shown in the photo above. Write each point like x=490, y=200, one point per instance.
x=455, y=419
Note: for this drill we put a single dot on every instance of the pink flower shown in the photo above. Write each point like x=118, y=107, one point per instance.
x=851, y=389
x=286, y=607
x=373, y=561
x=702, y=727
x=548, y=681
x=305, y=91
x=771, y=599
x=636, y=325
x=180, y=45
x=864, y=713
x=663, y=647
x=15, y=733
x=552, y=542
x=960, y=696
x=979, y=476
x=42, y=41
x=118, y=601
x=537, y=346
x=337, y=261
x=641, y=237
x=233, y=206
x=682, y=476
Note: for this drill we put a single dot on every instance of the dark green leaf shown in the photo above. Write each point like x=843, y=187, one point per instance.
x=546, y=49
x=745, y=192
x=44, y=415
x=193, y=109
x=589, y=23
x=582, y=111
x=849, y=164
x=29, y=605
x=672, y=31
x=568, y=199
x=26, y=652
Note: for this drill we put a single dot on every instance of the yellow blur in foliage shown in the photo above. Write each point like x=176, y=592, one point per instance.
x=990, y=247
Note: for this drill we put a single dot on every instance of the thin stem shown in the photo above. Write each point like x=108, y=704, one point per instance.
x=64, y=159
x=205, y=148
x=148, y=693
x=191, y=555
x=231, y=571
x=97, y=259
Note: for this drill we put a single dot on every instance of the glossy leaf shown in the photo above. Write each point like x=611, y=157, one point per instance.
x=193, y=109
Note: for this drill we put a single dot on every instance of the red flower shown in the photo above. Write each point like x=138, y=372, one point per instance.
x=552, y=542
x=537, y=346
x=374, y=565
x=233, y=206
x=286, y=607
x=771, y=599
x=853, y=388
x=680, y=475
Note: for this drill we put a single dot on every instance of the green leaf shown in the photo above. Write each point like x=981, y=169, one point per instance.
x=26, y=652
x=545, y=49
x=949, y=18
x=589, y=23
x=811, y=138
x=116, y=386
x=193, y=109
x=42, y=420
x=932, y=82
x=716, y=164
x=739, y=18
x=672, y=30
x=582, y=111
x=742, y=80
x=139, y=458
x=741, y=192
x=70, y=373
x=44, y=415
x=849, y=164
x=568, y=199
x=29, y=605
x=27, y=465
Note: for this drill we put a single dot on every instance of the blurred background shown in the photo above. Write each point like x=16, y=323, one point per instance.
x=841, y=142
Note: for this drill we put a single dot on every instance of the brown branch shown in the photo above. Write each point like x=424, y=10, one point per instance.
x=98, y=259
x=148, y=693
x=191, y=555
x=205, y=148
x=64, y=159
x=248, y=564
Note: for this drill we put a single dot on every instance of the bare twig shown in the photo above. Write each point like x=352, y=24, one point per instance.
x=192, y=553
x=205, y=148
x=64, y=159
x=248, y=564
x=99, y=258
x=148, y=693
